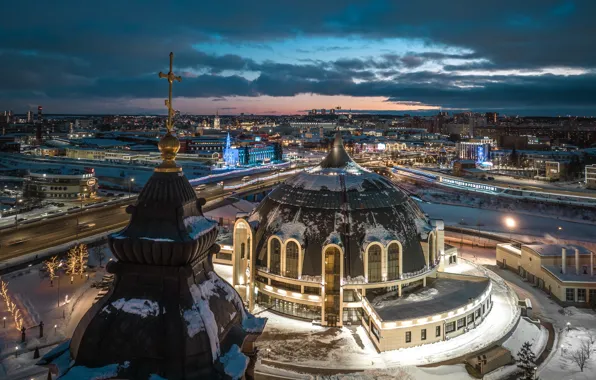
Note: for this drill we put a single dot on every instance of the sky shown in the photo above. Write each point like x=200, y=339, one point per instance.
x=530, y=57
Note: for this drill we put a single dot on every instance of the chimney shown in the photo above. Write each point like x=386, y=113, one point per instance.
x=576, y=261
x=563, y=260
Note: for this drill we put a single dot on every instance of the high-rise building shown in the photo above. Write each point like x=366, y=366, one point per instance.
x=39, y=114
x=216, y=123
x=332, y=111
x=29, y=116
x=323, y=111
x=314, y=111
x=491, y=117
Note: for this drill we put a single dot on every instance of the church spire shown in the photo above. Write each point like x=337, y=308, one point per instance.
x=169, y=144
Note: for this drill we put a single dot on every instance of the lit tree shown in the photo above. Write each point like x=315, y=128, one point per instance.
x=82, y=258
x=4, y=291
x=72, y=262
x=51, y=266
x=526, y=361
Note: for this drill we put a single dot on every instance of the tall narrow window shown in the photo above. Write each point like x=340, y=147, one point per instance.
x=275, y=253
x=374, y=263
x=292, y=260
x=242, y=250
x=393, y=262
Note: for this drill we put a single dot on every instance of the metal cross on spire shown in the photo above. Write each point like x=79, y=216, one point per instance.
x=171, y=78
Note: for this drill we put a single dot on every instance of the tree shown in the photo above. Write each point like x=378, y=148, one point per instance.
x=580, y=357
x=526, y=361
x=72, y=262
x=99, y=254
x=51, y=266
x=82, y=258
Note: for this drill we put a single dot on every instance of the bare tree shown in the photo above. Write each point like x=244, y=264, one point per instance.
x=82, y=258
x=51, y=266
x=588, y=346
x=99, y=254
x=580, y=357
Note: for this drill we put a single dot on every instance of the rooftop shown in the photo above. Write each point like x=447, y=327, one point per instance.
x=570, y=275
x=440, y=295
x=556, y=249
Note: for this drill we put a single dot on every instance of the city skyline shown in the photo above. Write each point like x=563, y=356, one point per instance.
x=530, y=58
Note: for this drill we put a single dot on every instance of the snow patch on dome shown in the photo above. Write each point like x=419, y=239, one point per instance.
x=197, y=226
x=292, y=230
x=234, y=362
x=333, y=238
x=142, y=308
x=377, y=233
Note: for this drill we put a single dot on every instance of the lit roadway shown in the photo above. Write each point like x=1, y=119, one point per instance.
x=63, y=229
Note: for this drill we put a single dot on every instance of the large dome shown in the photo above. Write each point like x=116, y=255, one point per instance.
x=339, y=202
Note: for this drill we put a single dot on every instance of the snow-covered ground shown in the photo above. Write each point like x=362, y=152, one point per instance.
x=561, y=364
x=60, y=307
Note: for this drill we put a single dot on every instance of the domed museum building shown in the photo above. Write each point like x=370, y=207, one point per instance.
x=338, y=244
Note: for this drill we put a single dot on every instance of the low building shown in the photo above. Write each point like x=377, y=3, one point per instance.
x=591, y=176
x=556, y=170
x=566, y=272
x=460, y=166
x=60, y=184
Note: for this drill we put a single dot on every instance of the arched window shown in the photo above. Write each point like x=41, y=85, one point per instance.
x=292, y=260
x=275, y=254
x=393, y=262
x=374, y=263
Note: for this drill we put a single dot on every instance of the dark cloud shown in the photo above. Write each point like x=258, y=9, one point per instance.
x=82, y=50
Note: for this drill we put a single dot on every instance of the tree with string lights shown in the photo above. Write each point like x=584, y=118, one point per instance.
x=51, y=266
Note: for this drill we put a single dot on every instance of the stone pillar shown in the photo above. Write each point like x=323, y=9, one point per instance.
x=424, y=282
x=563, y=260
x=576, y=261
x=399, y=290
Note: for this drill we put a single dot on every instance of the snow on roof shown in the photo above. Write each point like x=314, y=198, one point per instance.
x=557, y=249
x=142, y=308
x=200, y=317
x=234, y=362
x=254, y=325
x=58, y=356
x=156, y=239
x=292, y=230
x=378, y=233
x=333, y=238
x=197, y=226
x=570, y=274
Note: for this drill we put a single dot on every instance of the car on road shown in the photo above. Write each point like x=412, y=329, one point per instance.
x=245, y=178
x=201, y=187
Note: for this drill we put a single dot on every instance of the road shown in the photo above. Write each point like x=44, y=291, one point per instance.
x=511, y=183
x=63, y=229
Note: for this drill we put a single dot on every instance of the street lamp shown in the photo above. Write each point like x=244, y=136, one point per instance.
x=16, y=218
x=130, y=187
x=510, y=223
